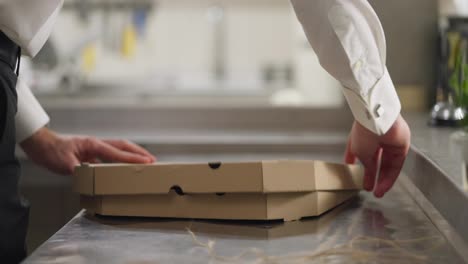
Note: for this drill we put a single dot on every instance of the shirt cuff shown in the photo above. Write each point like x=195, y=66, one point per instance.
x=30, y=116
x=36, y=43
x=379, y=109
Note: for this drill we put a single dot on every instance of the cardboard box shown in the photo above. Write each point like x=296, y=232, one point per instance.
x=263, y=190
x=261, y=230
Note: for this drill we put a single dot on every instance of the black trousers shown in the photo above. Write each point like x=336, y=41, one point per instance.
x=14, y=211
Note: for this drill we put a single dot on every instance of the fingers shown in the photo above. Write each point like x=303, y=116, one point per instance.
x=350, y=158
x=69, y=164
x=73, y=163
x=130, y=147
x=370, y=170
x=105, y=151
x=390, y=167
x=395, y=145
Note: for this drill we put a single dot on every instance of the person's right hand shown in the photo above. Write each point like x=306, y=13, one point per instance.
x=391, y=149
x=61, y=154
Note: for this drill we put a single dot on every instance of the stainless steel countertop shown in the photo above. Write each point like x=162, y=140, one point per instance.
x=437, y=144
x=390, y=230
x=395, y=229
x=435, y=165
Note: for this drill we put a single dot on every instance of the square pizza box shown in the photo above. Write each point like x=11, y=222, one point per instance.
x=263, y=190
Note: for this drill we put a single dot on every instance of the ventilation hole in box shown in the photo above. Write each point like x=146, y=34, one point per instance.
x=177, y=189
x=220, y=194
x=214, y=165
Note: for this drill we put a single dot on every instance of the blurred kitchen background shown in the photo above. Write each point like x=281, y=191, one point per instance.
x=196, y=80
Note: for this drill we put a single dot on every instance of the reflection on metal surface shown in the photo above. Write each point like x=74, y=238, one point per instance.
x=440, y=189
x=452, y=236
x=459, y=143
x=360, y=249
x=389, y=230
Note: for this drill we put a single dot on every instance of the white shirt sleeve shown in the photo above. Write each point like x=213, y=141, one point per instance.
x=29, y=23
x=350, y=43
x=30, y=116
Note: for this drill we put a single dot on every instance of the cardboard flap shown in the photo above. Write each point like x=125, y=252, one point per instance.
x=241, y=177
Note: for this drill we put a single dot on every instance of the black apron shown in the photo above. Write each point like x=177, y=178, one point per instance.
x=14, y=210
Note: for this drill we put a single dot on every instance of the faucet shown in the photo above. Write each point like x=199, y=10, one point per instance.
x=216, y=15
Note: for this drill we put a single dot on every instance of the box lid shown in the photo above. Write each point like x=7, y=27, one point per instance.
x=216, y=177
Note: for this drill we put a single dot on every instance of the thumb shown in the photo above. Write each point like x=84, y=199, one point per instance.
x=68, y=164
x=72, y=163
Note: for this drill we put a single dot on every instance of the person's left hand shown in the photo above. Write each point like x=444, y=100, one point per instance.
x=390, y=150
x=61, y=154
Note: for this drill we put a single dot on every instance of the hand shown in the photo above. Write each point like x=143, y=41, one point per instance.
x=61, y=154
x=390, y=149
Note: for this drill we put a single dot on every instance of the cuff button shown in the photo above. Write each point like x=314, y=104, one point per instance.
x=379, y=111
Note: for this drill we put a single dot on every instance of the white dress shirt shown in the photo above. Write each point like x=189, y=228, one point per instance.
x=349, y=41
x=28, y=23
x=346, y=35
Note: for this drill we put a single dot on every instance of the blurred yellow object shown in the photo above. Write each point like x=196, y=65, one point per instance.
x=89, y=57
x=453, y=40
x=128, y=41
